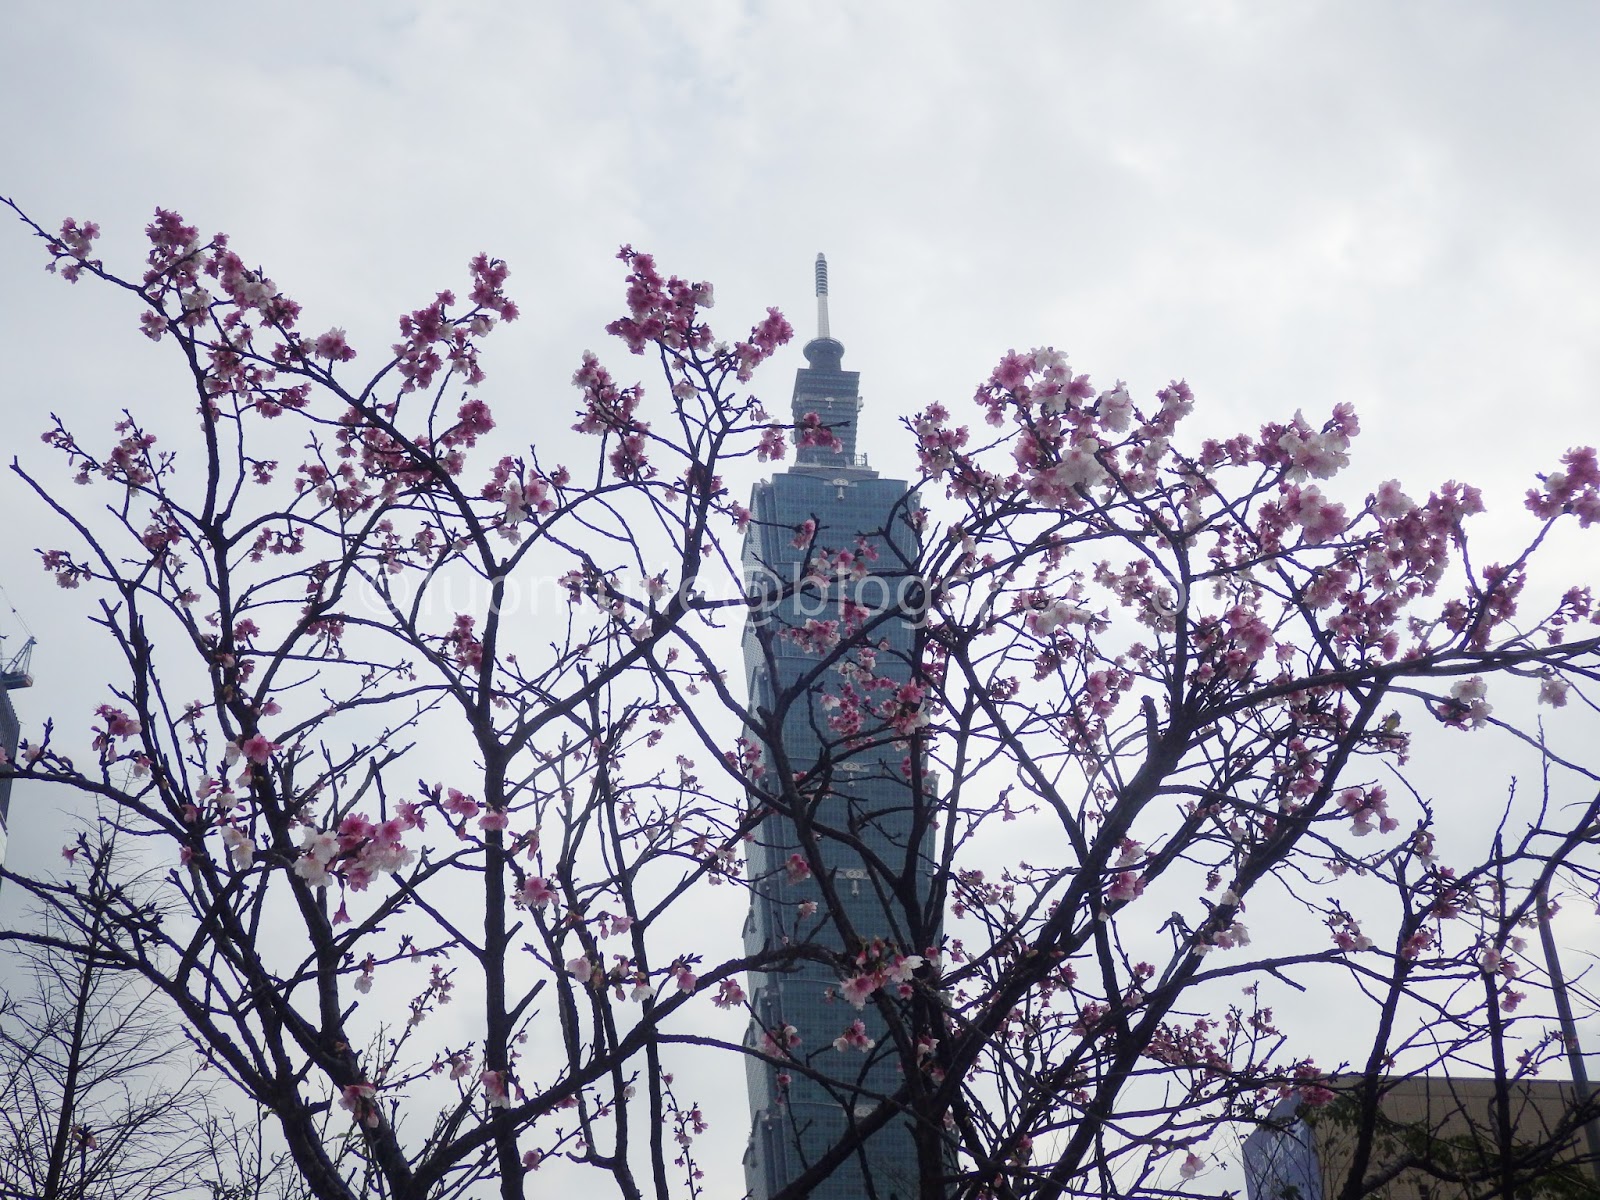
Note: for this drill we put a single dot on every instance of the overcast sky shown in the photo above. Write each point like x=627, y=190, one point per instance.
x=1288, y=203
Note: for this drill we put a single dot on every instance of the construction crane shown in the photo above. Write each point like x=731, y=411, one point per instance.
x=14, y=674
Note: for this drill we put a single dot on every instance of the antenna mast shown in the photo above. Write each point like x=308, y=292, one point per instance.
x=822, y=297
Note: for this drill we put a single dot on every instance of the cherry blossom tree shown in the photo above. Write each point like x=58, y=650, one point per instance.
x=99, y=1095
x=442, y=870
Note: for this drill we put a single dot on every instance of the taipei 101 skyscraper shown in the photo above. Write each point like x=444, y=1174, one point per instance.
x=849, y=810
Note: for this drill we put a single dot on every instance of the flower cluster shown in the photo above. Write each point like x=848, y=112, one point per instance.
x=1467, y=706
x=118, y=726
x=812, y=432
x=1124, y=886
x=1347, y=933
x=1574, y=490
x=431, y=339
x=661, y=311
x=729, y=994
x=360, y=1100
x=68, y=573
x=1364, y=806
x=876, y=966
x=462, y=644
x=535, y=892
x=358, y=851
x=777, y=1043
x=854, y=1038
x=496, y=1088
x=523, y=492
x=76, y=243
x=609, y=410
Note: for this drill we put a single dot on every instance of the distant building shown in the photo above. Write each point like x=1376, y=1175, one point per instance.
x=1445, y=1126
x=795, y=1118
x=10, y=732
x=13, y=674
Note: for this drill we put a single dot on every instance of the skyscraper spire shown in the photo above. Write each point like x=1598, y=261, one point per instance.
x=822, y=351
x=822, y=295
x=825, y=391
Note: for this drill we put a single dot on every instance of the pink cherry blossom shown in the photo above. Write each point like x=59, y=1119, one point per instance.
x=1553, y=690
x=1364, y=805
x=774, y=444
x=812, y=432
x=765, y=338
x=463, y=645
x=459, y=803
x=333, y=347
x=1318, y=517
x=258, y=748
x=858, y=988
x=729, y=994
x=75, y=241
x=854, y=1038
x=495, y=1090
x=1574, y=489
x=1125, y=886
x=1414, y=945
x=241, y=846
x=488, y=286
x=360, y=1101
x=1467, y=706
x=317, y=851
x=536, y=892
x=901, y=967
x=118, y=725
x=779, y=1041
